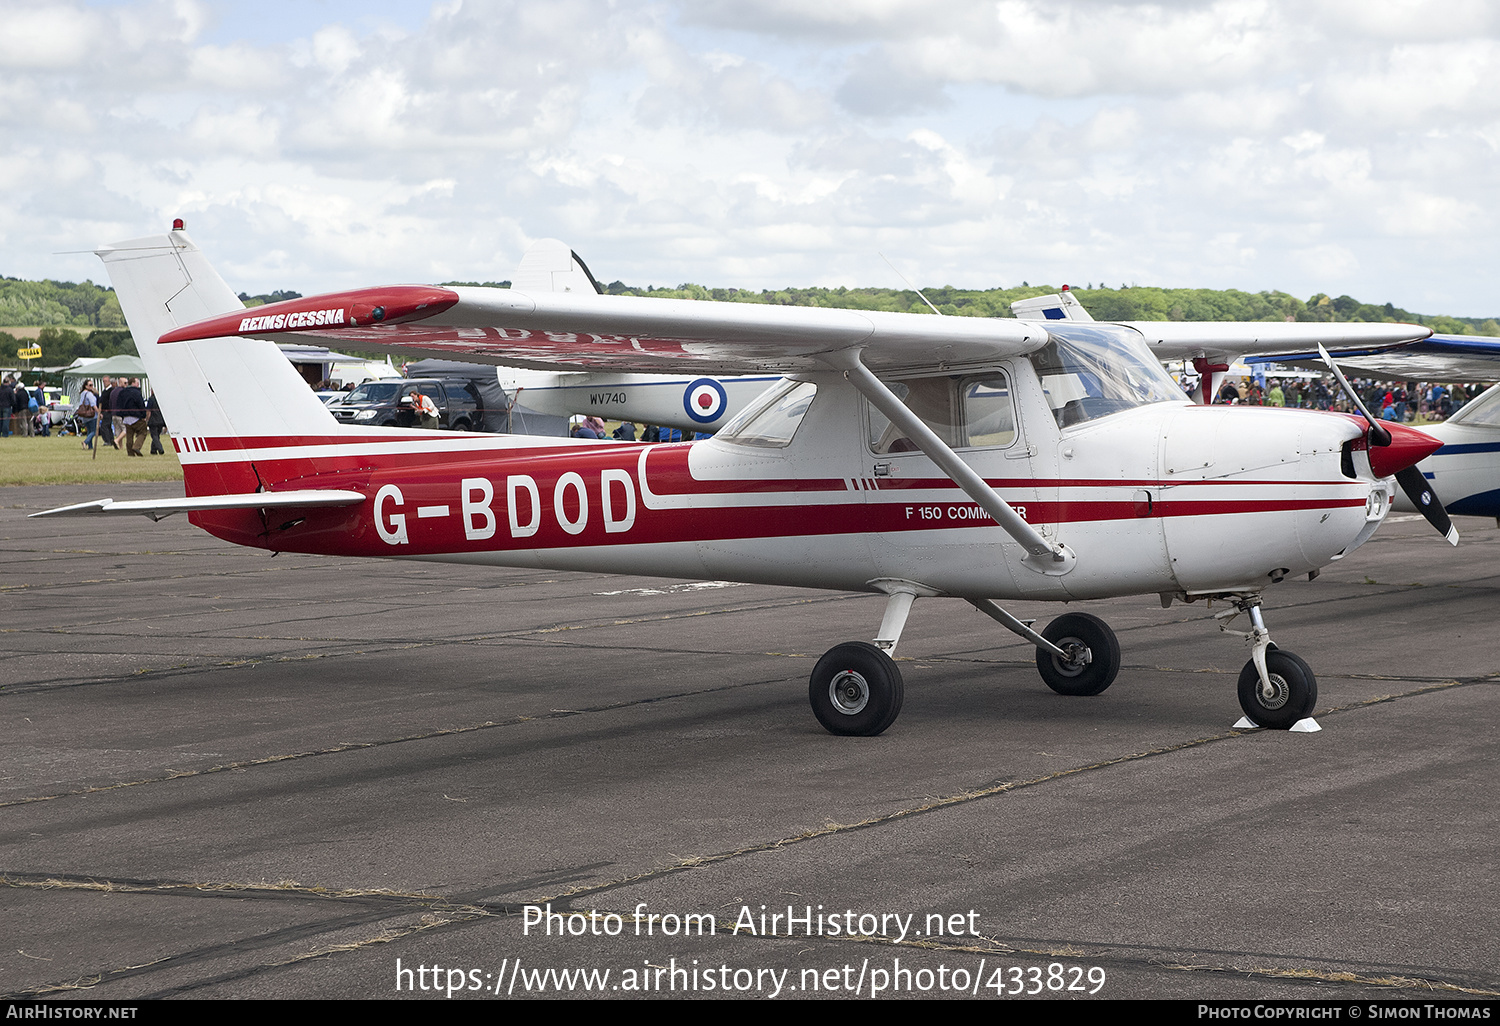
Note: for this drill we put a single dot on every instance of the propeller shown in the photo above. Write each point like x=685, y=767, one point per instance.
x=1425, y=499
x=1395, y=450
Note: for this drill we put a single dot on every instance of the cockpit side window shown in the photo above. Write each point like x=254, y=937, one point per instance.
x=965, y=412
x=772, y=421
x=989, y=413
x=1481, y=412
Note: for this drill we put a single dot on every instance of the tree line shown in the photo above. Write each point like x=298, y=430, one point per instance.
x=1126, y=303
x=84, y=319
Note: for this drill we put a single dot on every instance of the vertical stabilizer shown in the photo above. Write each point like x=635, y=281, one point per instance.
x=1063, y=306
x=214, y=389
x=550, y=266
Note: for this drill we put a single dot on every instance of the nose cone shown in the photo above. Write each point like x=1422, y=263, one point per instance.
x=1408, y=448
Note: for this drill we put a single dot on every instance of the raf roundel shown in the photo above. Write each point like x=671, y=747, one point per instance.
x=704, y=400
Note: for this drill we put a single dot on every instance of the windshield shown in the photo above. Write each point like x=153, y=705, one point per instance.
x=1090, y=373
x=374, y=392
x=771, y=422
x=1481, y=412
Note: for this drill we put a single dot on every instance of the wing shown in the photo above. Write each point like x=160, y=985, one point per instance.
x=1223, y=342
x=553, y=330
x=1439, y=358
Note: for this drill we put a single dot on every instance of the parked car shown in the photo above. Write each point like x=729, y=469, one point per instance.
x=460, y=406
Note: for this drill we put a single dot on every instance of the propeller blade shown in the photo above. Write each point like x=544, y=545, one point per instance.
x=1425, y=499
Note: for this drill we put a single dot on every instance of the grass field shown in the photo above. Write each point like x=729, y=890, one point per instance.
x=34, y=461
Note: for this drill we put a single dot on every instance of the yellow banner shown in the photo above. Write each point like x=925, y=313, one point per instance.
x=34, y=353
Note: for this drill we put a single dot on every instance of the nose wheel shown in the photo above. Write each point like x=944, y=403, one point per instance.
x=1277, y=689
x=1287, y=695
x=855, y=690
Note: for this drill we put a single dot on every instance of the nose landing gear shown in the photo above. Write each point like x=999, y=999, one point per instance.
x=1277, y=689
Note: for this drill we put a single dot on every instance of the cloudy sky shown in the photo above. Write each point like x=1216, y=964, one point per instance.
x=1334, y=146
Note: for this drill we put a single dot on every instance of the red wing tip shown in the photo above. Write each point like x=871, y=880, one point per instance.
x=392, y=304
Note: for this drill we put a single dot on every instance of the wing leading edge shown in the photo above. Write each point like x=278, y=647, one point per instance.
x=623, y=333
x=581, y=331
x=1439, y=358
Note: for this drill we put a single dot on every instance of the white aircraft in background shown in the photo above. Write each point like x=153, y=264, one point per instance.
x=689, y=402
x=986, y=460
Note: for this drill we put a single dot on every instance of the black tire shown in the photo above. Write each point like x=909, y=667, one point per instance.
x=855, y=690
x=1098, y=655
x=460, y=425
x=1294, y=691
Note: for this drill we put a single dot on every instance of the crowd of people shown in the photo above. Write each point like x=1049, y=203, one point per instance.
x=118, y=414
x=1397, y=401
x=594, y=427
x=22, y=409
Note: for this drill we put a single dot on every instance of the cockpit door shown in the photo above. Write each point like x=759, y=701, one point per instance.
x=923, y=517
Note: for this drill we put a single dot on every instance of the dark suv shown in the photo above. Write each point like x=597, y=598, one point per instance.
x=460, y=405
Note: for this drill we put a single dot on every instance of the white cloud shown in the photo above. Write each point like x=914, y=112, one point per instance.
x=1252, y=143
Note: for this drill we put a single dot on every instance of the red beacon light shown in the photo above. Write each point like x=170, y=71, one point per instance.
x=177, y=224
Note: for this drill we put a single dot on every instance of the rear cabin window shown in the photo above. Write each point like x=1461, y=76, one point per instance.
x=772, y=421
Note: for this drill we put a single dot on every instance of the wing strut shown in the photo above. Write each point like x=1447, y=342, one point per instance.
x=1045, y=557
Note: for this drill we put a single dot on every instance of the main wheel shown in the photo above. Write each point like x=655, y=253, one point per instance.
x=855, y=690
x=1094, y=655
x=1291, y=697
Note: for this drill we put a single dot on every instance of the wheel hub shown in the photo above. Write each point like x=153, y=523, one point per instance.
x=1273, y=692
x=849, y=692
x=1079, y=657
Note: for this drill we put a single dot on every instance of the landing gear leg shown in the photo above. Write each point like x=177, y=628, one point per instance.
x=856, y=688
x=1277, y=689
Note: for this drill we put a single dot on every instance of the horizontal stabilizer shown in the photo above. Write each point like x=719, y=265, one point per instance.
x=157, y=509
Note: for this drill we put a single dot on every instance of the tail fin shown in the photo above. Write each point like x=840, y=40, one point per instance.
x=550, y=266
x=215, y=389
x=1063, y=306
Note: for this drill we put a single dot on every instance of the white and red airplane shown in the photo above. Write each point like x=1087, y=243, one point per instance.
x=910, y=455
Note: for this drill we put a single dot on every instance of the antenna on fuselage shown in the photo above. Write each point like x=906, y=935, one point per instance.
x=910, y=285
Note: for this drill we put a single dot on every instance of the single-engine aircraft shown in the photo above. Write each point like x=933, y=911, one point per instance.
x=915, y=456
